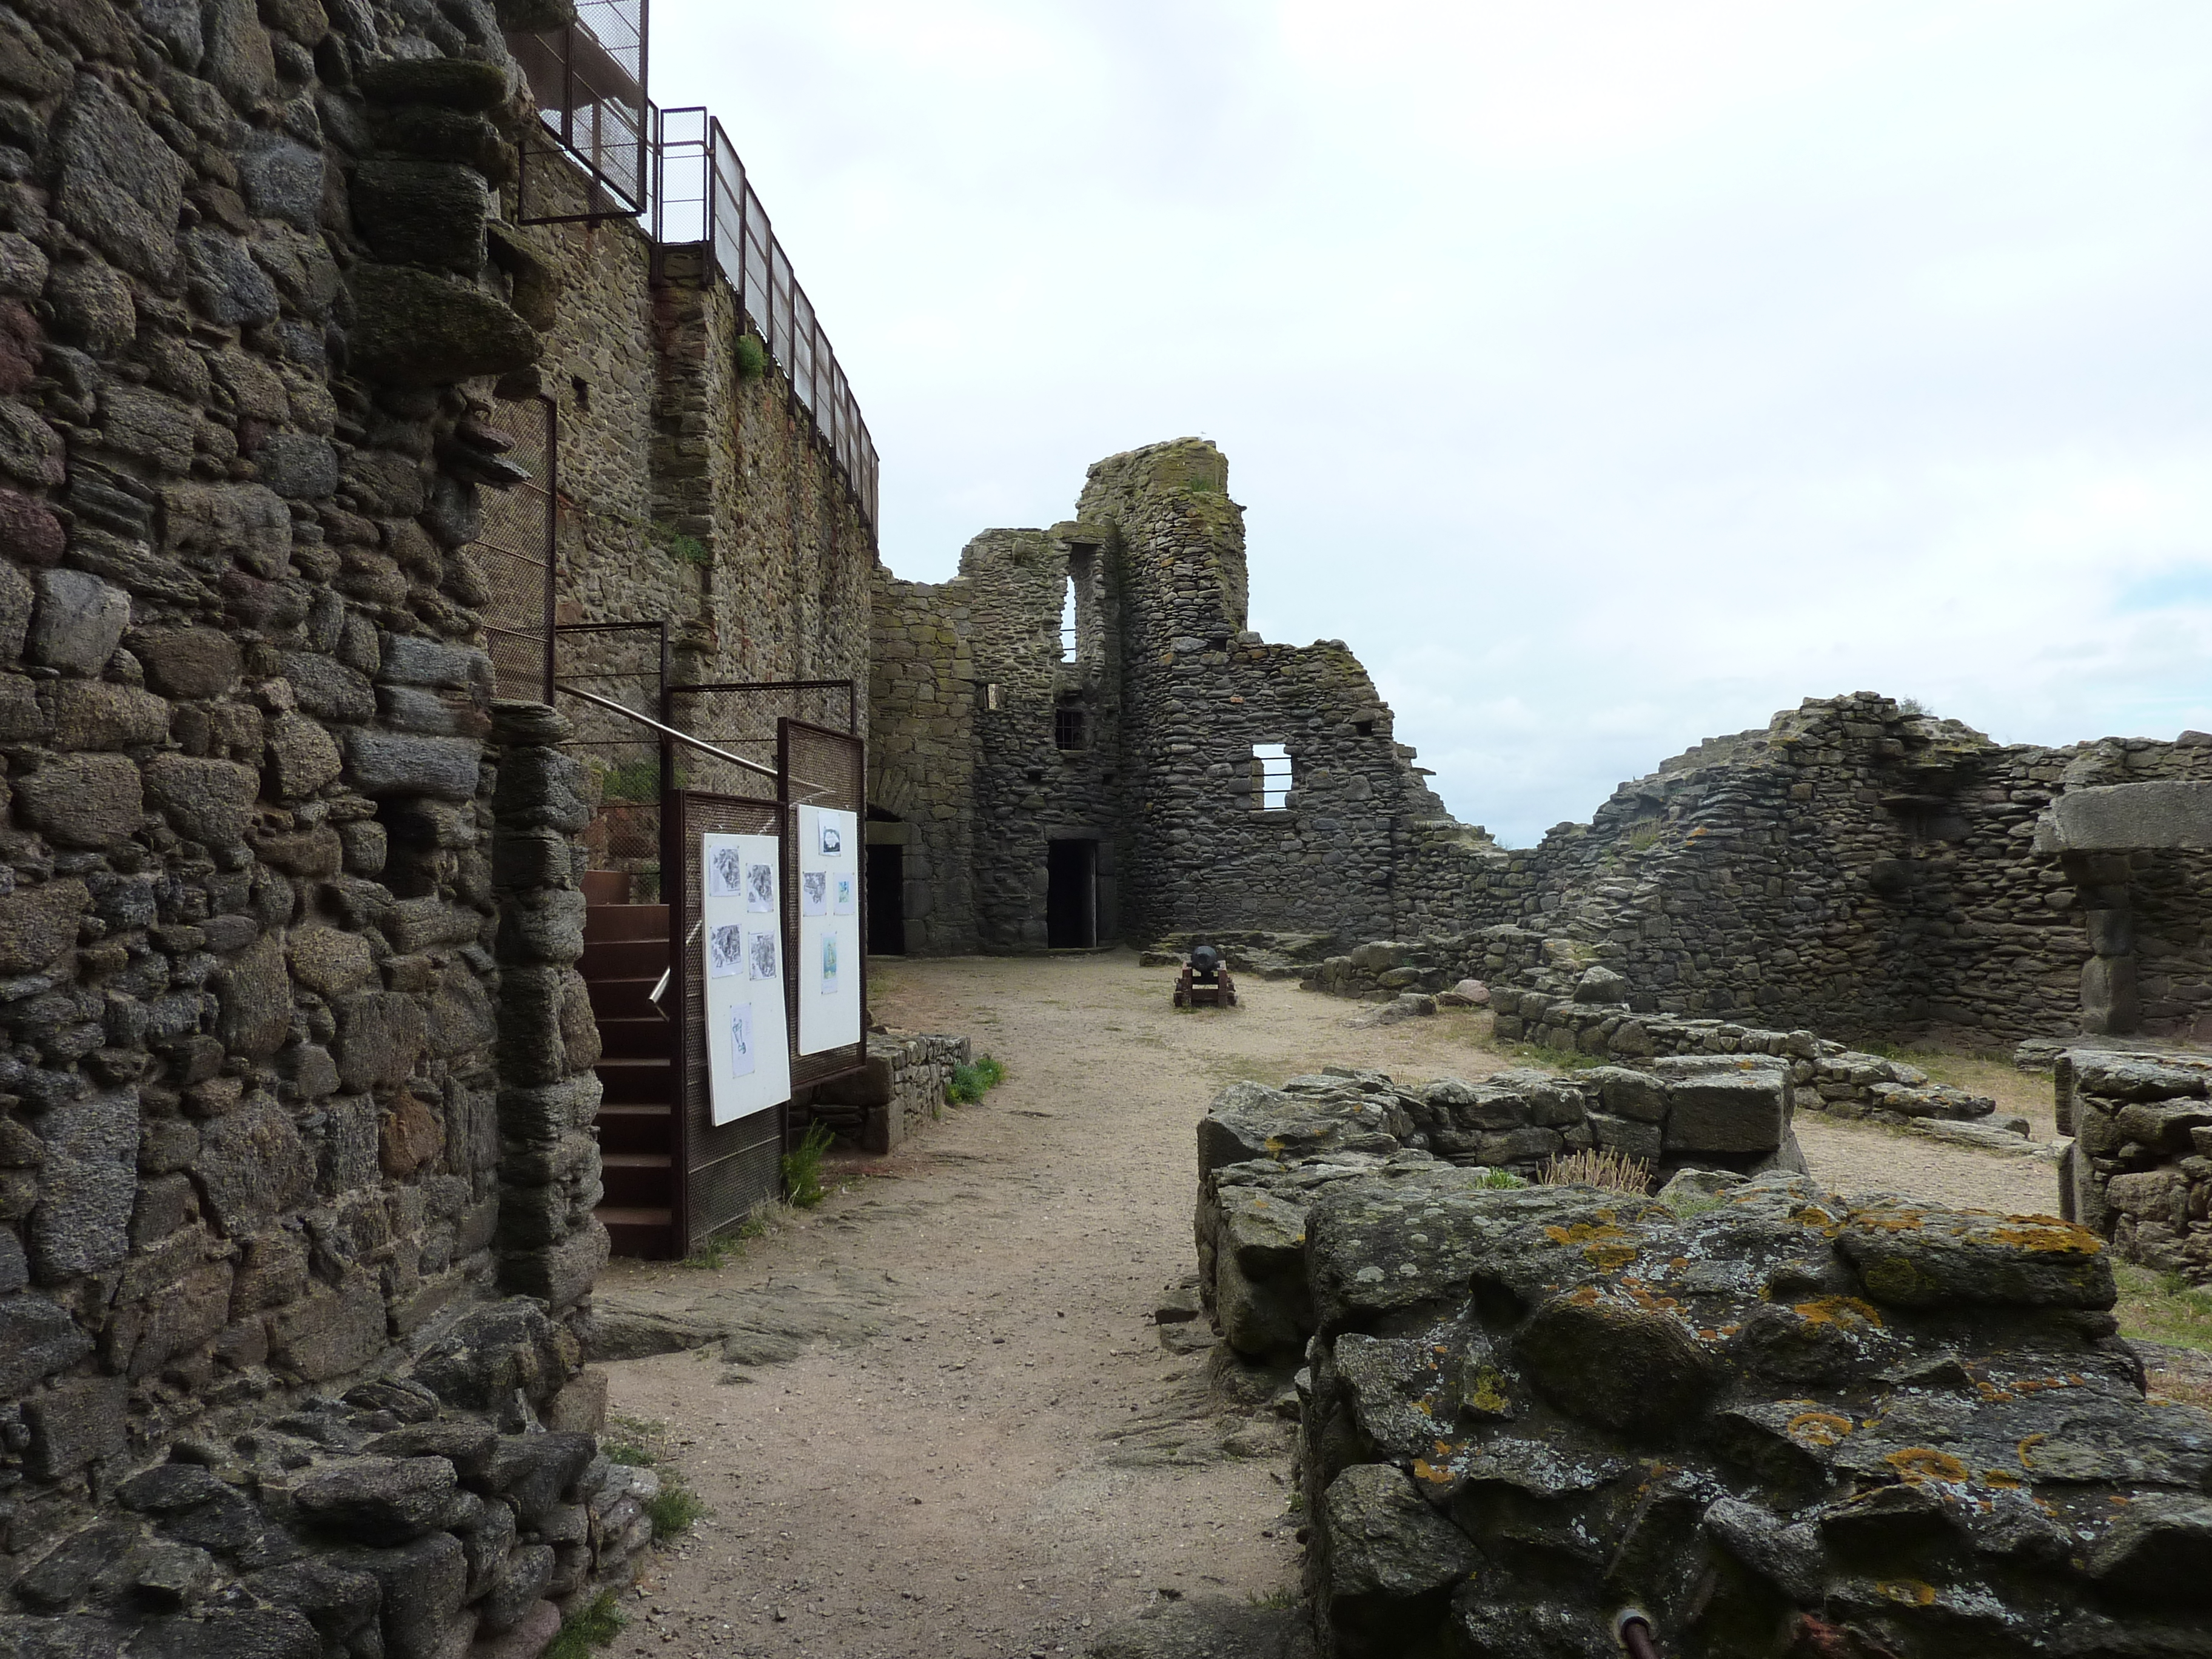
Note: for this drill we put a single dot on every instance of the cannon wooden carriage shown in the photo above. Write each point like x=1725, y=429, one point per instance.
x=1204, y=981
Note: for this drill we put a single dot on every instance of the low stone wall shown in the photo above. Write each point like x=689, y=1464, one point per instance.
x=1778, y=1422
x=1265, y=1154
x=902, y=1088
x=1826, y=1077
x=457, y=1498
x=2141, y=1170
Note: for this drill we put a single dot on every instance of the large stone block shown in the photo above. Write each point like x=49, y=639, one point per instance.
x=332, y=1333
x=391, y=763
x=302, y=756
x=76, y=1423
x=37, y=924
x=381, y=1034
x=227, y=287
x=417, y=328
x=255, y=999
x=118, y=187
x=2168, y=812
x=82, y=800
x=100, y=715
x=542, y=788
x=79, y=622
x=37, y=1339
x=562, y=1274
x=1737, y=1111
x=251, y=1166
x=87, y=1186
x=424, y=1584
x=190, y=662
x=328, y=689
x=246, y=522
x=281, y=179
x=422, y=213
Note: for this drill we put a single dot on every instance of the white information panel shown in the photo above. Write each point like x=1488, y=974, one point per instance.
x=828, y=968
x=741, y=954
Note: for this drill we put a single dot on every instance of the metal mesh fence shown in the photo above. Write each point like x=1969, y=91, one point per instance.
x=589, y=82
x=515, y=555
x=631, y=765
x=727, y=1169
x=816, y=767
x=742, y=719
x=703, y=197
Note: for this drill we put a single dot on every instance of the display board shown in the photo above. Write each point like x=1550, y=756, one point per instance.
x=827, y=970
x=741, y=951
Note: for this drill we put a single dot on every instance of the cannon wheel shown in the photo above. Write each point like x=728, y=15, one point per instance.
x=1182, y=989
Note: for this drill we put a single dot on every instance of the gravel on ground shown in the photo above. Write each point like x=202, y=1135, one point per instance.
x=948, y=1426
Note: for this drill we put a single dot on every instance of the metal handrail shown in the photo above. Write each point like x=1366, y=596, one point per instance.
x=612, y=707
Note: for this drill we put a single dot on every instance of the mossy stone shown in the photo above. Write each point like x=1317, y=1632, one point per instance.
x=418, y=328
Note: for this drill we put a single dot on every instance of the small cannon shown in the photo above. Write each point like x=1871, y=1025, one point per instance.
x=1204, y=981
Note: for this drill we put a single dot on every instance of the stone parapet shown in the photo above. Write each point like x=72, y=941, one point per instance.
x=2140, y=1172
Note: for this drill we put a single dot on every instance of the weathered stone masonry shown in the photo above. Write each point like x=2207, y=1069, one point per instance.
x=294, y=1189
x=1175, y=692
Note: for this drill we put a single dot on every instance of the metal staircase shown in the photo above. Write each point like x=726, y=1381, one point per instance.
x=625, y=953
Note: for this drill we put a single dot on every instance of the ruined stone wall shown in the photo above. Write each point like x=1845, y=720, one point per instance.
x=2140, y=1172
x=1201, y=690
x=293, y=1074
x=923, y=693
x=1858, y=868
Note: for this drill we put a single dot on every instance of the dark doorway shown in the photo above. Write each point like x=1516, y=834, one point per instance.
x=1071, y=905
x=886, y=900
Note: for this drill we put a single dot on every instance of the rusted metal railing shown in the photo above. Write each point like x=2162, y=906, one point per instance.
x=702, y=195
x=589, y=80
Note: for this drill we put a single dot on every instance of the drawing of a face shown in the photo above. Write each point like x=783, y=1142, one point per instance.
x=761, y=954
x=726, y=952
x=724, y=872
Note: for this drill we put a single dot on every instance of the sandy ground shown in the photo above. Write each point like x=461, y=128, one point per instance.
x=980, y=1447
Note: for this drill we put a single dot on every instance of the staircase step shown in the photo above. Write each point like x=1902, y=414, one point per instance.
x=640, y=958
x=649, y=1038
x=628, y=1127
x=626, y=998
x=639, y=1230
x=605, y=886
x=609, y=922
x=637, y=1180
x=629, y=1082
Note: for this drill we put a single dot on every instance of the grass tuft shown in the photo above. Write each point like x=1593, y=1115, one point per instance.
x=802, y=1167
x=590, y=1626
x=1280, y=1600
x=752, y=357
x=971, y=1082
x=2163, y=1308
x=1502, y=1181
x=675, y=1508
x=718, y=1249
x=1604, y=1167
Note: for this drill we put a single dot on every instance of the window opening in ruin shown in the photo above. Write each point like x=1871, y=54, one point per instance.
x=1365, y=728
x=582, y=388
x=1272, y=777
x=1071, y=729
x=991, y=698
x=1068, y=634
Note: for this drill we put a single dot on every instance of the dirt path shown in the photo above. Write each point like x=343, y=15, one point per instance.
x=948, y=1427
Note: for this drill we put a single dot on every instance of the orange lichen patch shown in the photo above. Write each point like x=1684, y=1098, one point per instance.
x=1812, y=1215
x=1425, y=1470
x=2039, y=1233
x=1609, y=1257
x=1819, y=1428
x=1585, y=1232
x=1845, y=1312
x=1990, y=1391
x=1486, y=1392
x=2000, y=1479
x=1585, y=1298
x=1910, y=1591
x=1680, y=1264
x=2026, y=1446
x=1425, y=1409
x=1919, y=1463
x=1731, y=1330
x=1445, y=1448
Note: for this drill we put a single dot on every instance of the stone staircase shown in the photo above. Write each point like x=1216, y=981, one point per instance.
x=626, y=950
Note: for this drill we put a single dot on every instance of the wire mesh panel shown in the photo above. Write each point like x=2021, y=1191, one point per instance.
x=741, y=719
x=626, y=663
x=589, y=82
x=727, y=1170
x=515, y=557
x=818, y=767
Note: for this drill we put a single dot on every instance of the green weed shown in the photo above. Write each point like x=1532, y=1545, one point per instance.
x=802, y=1167
x=972, y=1081
x=675, y=1507
x=1503, y=1181
x=752, y=357
x=631, y=780
x=1281, y=1600
x=589, y=1627
x=2162, y=1308
x=717, y=1249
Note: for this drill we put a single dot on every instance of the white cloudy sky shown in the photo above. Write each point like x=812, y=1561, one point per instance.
x=1610, y=374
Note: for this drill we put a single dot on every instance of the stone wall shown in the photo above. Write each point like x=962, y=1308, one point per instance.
x=1266, y=1155
x=1858, y=867
x=903, y=1086
x=1762, y=1418
x=1174, y=693
x=922, y=700
x=2141, y=1171
x=296, y=1062
x=1777, y=1422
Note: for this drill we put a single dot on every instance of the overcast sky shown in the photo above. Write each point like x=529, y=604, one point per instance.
x=1609, y=373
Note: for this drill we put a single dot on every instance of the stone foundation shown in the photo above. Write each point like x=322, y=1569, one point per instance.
x=903, y=1087
x=2141, y=1169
